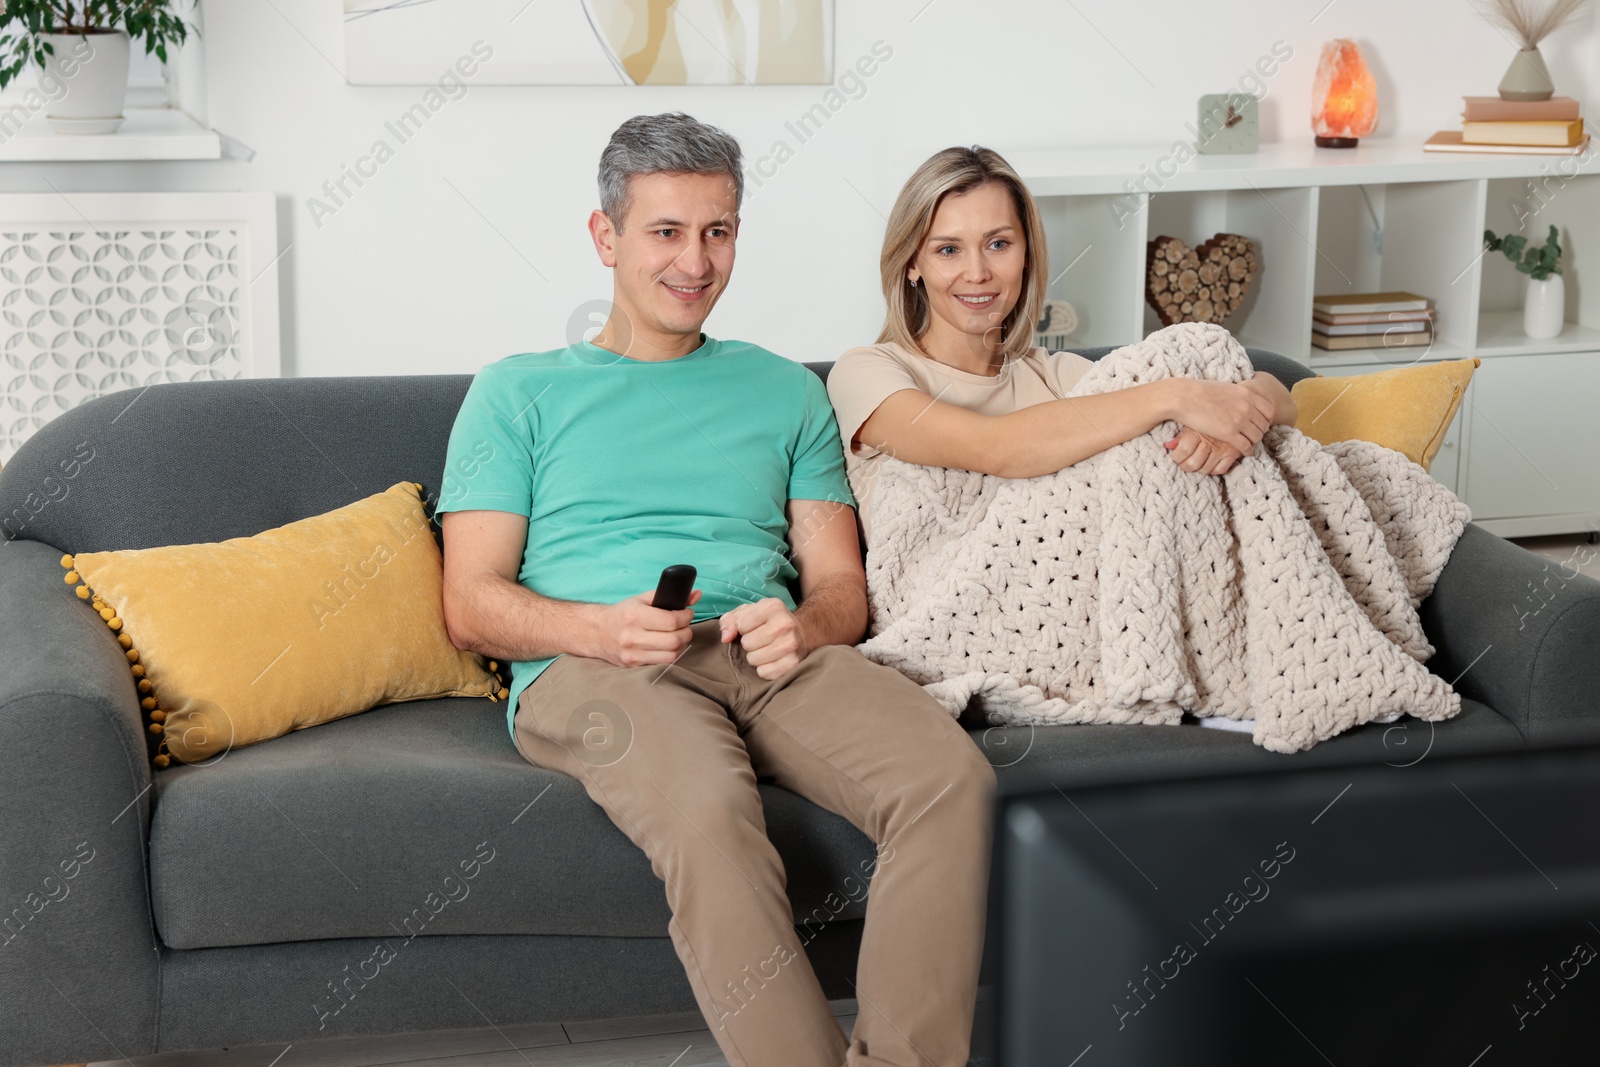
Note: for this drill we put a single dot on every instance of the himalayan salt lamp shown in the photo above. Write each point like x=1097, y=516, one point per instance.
x=1344, y=99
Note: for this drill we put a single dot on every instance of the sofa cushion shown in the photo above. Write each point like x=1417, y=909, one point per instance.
x=1030, y=759
x=423, y=819
x=1407, y=409
x=371, y=824
x=238, y=642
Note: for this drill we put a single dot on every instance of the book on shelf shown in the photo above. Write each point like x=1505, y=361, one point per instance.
x=1562, y=133
x=1372, y=341
x=1450, y=141
x=1349, y=318
x=1367, y=329
x=1368, y=303
x=1494, y=109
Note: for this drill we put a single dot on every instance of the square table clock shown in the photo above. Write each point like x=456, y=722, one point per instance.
x=1229, y=124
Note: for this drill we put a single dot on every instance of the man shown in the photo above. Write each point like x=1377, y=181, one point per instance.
x=573, y=478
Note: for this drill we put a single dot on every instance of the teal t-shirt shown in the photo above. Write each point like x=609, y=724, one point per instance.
x=624, y=466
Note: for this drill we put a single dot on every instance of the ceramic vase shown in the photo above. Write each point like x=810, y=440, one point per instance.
x=1544, y=309
x=1527, y=78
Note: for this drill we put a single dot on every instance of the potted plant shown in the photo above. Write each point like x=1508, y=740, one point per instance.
x=1544, y=308
x=82, y=51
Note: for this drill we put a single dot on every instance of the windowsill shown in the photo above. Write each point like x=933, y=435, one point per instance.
x=150, y=133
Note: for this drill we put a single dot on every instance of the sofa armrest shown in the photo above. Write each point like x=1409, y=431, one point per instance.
x=79, y=959
x=1525, y=630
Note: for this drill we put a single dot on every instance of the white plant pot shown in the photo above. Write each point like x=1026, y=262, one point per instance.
x=94, y=69
x=1544, y=310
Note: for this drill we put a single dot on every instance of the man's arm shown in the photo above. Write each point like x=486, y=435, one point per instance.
x=486, y=610
x=833, y=593
x=833, y=584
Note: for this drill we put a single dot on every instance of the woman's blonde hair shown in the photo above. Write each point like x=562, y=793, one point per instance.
x=957, y=170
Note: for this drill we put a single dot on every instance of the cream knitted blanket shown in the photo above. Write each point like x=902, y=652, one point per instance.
x=1124, y=589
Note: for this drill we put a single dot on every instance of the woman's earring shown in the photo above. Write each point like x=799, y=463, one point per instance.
x=913, y=283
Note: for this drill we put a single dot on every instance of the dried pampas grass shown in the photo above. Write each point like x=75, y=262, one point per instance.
x=1531, y=26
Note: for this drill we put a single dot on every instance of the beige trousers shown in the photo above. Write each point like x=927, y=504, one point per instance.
x=672, y=754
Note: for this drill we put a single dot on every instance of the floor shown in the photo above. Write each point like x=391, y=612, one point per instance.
x=649, y=1041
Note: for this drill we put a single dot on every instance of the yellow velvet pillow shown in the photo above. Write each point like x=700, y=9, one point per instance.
x=1407, y=409
x=247, y=639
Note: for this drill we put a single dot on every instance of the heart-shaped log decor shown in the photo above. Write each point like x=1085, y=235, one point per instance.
x=1205, y=284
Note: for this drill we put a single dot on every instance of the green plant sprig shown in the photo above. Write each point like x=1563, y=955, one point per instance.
x=23, y=24
x=1537, y=261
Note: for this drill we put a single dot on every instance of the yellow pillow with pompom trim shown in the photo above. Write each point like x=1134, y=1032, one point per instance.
x=244, y=640
x=1407, y=409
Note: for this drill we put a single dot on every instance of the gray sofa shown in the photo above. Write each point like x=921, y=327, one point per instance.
x=246, y=901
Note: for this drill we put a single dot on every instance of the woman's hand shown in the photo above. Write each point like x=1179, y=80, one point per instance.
x=1228, y=413
x=1194, y=451
x=1284, y=409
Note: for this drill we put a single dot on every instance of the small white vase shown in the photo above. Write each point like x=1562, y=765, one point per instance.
x=94, y=69
x=1544, y=308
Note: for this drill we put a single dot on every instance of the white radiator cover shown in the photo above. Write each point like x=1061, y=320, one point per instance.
x=101, y=292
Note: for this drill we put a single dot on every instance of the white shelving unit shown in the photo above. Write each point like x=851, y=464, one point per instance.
x=1500, y=334
x=164, y=112
x=146, y=133
x=1381, y=216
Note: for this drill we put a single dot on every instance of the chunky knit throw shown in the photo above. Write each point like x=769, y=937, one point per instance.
x=1124, y=589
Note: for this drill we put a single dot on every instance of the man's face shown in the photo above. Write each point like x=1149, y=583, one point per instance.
x=674, y=255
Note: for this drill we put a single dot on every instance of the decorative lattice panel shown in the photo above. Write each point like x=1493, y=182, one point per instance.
x=89, y=312
x=101, y=292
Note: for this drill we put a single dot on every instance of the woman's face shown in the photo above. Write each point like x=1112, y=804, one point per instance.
x=971, y=263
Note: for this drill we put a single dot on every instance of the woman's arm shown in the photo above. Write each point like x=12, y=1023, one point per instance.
x=1043, y=438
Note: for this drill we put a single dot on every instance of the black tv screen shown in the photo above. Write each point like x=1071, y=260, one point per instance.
x=1441, y=913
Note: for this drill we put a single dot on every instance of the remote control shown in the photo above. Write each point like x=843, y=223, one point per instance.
x=672, y=592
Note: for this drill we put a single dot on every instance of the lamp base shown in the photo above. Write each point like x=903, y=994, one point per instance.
x=1337, y=142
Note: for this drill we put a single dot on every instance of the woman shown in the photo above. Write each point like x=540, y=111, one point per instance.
x=954, y=379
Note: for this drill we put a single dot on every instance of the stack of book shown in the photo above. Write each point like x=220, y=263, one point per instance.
x=1535, y=127
x=1371, y=320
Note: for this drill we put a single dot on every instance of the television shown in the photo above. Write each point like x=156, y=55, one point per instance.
x=1444, y=912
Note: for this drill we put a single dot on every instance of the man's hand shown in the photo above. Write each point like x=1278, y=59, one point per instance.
x=634, y=634
x=770, y=635
x=1194, y=451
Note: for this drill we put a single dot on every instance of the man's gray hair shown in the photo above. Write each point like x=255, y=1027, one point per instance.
x=671, y=142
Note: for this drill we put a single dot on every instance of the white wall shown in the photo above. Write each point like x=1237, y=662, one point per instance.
x=409, y=277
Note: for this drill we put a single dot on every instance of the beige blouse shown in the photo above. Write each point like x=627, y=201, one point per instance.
x=864, y=377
